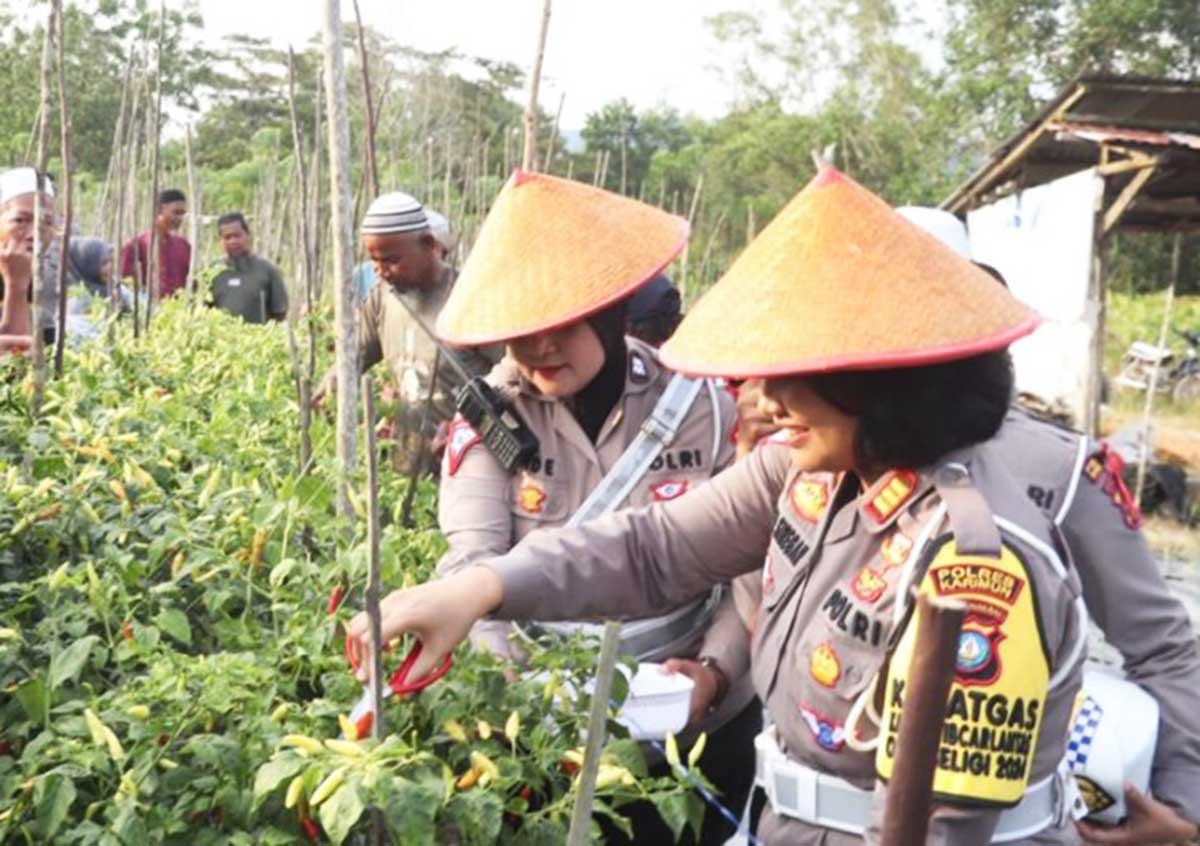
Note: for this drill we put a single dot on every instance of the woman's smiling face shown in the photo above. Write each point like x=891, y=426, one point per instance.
x=820, y=436
x=560, y=362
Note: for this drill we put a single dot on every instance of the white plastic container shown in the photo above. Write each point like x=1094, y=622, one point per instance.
x=657, y=703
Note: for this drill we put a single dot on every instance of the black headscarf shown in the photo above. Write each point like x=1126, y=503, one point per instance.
x=592, y=405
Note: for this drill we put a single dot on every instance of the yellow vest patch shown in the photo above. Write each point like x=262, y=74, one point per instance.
x=996, y=701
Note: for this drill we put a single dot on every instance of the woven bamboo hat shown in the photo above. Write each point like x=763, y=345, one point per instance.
x=553, y=251
x=840, y=281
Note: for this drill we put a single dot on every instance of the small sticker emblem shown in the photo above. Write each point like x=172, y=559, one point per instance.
x=824, y=665
x=638, y=372
x=459, y=439
x=896, y=547
x=664, y=491
x=531, y=497
x=978, y=661
x=829, y=733
x=809, y=498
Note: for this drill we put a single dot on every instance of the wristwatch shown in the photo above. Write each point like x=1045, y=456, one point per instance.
x=722, y=679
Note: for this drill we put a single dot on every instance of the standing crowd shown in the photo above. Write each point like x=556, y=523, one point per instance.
x=828, y=431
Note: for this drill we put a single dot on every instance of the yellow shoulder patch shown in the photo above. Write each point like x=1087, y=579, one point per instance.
x=998, y=695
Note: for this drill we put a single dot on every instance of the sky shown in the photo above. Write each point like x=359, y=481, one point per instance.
x=649, y=51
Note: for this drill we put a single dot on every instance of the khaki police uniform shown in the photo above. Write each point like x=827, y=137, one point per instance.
x=388, y=332
x=484, y=510
x=1072, y=481
x=837, y=559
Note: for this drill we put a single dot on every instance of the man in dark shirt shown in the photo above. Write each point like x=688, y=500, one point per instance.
x=247, y=285
x=174, y=252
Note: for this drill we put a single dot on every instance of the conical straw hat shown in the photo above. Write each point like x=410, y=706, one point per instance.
x=840, y=281
x=551, y=252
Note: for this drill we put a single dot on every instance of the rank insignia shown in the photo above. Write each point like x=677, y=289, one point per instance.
x=531, y=497
x=869, y=584
x=809, y=498
x=896, y=547
x=890, y=493
x=829, y=734
x=459, y=440
x=824, y=665
x=664, y=491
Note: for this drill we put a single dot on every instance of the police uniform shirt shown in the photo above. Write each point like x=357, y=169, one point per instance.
x=250, y=287
x=837, y=558
x=484, y=511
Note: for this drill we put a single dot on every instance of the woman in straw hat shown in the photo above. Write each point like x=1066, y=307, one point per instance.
x=549, y=276
x=885, y=366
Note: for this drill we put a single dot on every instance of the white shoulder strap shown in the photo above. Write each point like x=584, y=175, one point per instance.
x=658, y=431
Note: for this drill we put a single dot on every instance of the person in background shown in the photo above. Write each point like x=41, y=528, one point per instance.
x=174, y=252
x=18, y=193
x=247, y=285
x=654, y=311
x=439, y=228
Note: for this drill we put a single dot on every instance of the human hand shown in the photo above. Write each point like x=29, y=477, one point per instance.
x=753, y=425
x=328, y=384
x=1148, y=823
x=439, y=613
x=710, y=685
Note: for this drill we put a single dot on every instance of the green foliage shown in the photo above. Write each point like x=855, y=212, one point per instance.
x=163, y=623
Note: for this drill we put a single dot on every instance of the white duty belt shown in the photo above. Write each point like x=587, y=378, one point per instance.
x=653, y=637
x=820, y=799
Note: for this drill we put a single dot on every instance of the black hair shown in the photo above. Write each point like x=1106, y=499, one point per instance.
x=655, y=330
x=233, y=217
x=911, y=417
x=171, y=195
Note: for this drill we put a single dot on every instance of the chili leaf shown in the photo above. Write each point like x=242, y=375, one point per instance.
x=65, y=665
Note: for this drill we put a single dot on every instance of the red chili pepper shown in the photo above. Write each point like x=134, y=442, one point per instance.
x=526, y=793
x=311, y=829
x=5, y=749
x=127, y=630
x=364, y=723
x=335, y=599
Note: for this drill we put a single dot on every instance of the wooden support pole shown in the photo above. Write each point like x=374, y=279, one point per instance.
x=581, y=814
x=934, y=656
x=64, y=119
x=372, y=167
x=1113, y=216
x=346, y=342
x=194, y=216
x=1148, y=410
x=373, y=583
x=38, y=282
x=153, y=248
x=529, y=153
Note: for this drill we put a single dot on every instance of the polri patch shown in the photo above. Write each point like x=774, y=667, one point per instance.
x=828, y=732
x=461, y=437
x=1107, y=469
x=978, y=662
x=869, y=584
x=824, y=665
x=664, y=491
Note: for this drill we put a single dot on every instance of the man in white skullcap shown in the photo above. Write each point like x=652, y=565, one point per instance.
x=18, y=193
x=407, y=259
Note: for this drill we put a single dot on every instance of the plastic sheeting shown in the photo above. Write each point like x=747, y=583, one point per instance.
x=1041, y=241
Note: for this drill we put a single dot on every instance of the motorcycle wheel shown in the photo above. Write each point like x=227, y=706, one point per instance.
x=1187, y=389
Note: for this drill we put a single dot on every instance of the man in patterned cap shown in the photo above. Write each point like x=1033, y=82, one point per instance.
x=407, y=257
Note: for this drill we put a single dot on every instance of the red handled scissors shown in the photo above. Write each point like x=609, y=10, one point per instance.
x=363, y=715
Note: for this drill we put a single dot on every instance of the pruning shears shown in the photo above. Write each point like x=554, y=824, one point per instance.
x=363, y=714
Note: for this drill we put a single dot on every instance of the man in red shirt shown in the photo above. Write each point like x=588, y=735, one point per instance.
x=174, y=252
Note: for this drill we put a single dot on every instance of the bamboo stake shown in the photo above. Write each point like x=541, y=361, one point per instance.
x=64, y=120
x=38, y=349
x=1148, y=410
x=562, y=98
x=373, y=580
x=372, y=168
x=529, y=154
x=153, y=259
x=683, y=264
x=102, y=219
x=194, y=217
x=910, y=796
x=581, y=814
x=624, y=158
x=344, y=294
x=604, y=168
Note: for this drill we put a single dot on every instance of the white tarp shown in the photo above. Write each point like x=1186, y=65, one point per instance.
x=1041, y=241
